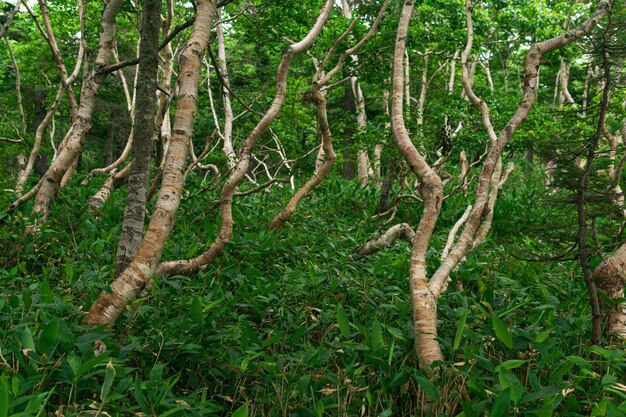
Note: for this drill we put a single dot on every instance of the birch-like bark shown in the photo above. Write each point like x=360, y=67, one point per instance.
x=66, y=79
x=112, y=183
x=21, y=181
x=229, y=151
x=363, y=163
x=110, y=305
x=190, y=266
x=18, y=86
x=407, y=82
x=586, y=91
x=610, y=278
x=452, y=71
x=563, y=84
x=143, y=135
x=320, y=80
x=464, y=169
x=9, y=18
x=72, y=144
x=402, y=231
x=532, y=62
x=65, y=86
x=423, y=301
x=424, y=293
x=424, y=87
x=329, y=159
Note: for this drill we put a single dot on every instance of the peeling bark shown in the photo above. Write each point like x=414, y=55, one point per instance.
x=424, y=303
x=135, y=277
x=190, y=266
x=72, y=144
x=112, y=183
x=402, y=231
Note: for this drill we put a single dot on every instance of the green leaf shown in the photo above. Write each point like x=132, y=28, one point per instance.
x=4, y=397
x=27, y=340
x=502, y=331
x=343, y=322
x=459, y=330
x=501, y=404
x=377, y=335
x=510, y=364
x=468, y=410
x=196, y=310
x=303, y=383
x=429, y=388
x=109, y=376
x=541, y=337
x=50, y=336
x=241, y=411
x=139, y=397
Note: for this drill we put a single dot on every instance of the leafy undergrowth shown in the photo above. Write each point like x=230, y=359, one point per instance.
x=294, y=323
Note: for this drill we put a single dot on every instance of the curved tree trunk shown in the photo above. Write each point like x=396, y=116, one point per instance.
x=424, y=303
x=110, y=305
x=329, y=159
x=72, y=145
x=189, y=266
x=115, y=181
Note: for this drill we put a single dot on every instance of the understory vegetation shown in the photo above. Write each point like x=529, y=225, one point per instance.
x=295, y=323
x=322, y=208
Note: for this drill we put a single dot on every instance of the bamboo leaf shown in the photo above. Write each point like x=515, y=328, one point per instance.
x=196, y=310
x=109, y=376
x=343, y=322
x=459, y=330
x=502, y=331
x=241, y=411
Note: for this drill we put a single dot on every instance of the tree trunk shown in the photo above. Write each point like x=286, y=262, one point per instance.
x=110, y=305
x=189, y=266
x=143, y=133
x=424, y=304
x=231, y=157
x=73, y=142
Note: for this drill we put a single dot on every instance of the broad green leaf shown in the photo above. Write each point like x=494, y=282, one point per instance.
x=599, y=409
x=50, y=336
x=139, y=397
x=541, y=337
x=377, y=335
x=196, y=310
x=459, y=330
x=343, y=322
x=468, y=409
x=241, y=411
x=501, y=404
x=429, y=388
x=27, y=340
x=502, y=331
x=109, y=376
x=303, y=383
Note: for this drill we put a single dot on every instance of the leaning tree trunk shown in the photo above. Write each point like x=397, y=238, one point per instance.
x=424, y=303
x=143, y=132
x=425, y=293
x=189, y=266
x=73, y=142
x=110, y=305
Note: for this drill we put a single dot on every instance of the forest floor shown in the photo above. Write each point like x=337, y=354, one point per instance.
x=294, y=323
